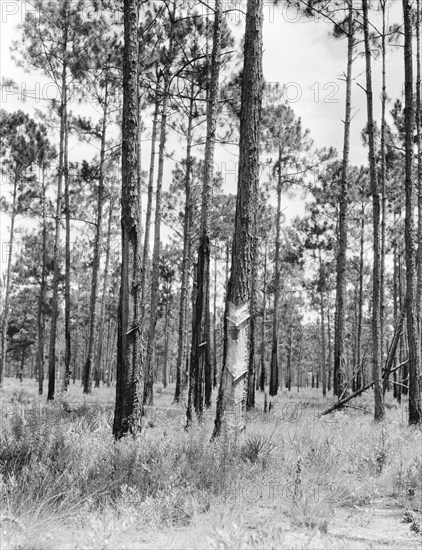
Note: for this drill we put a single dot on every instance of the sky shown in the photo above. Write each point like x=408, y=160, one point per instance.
x=299, y=54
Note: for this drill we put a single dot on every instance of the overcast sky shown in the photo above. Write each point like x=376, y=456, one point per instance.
x=298, y=52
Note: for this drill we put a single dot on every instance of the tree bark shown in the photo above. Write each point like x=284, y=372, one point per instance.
x=201, y=335
x=263, y=377
x=97, y=253
x=67, y=336
x=56, y=253
x=129, y=381
x=99, y=356
x=415, y=410
x=232, y=392
x=181, y=344
x=42, y=296
x=383, y=176
x=339, y=332
x=322, y=314
x=6, y=309
x=376, y=307
x=145, y=255
x=274, y=365
x=419, y=165
x=359, y=377
x=149, y=366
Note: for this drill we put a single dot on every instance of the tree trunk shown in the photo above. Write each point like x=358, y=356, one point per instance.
x=42, y=296
x=419, y=145
x=166, y=342
x=67, y=338
x=56, y=253
x=6, y=309
x=339, y=332
x=383, y=176
x=359, y=376
x=376, y=307
x=214, y=324
x=129, y=386
x=149, y=366
x=262, y=377
x=145, y=255
x=201, y=336
x=99, y=356
x=322, y=314
x=415, y=411
x=97, y=255
x=274, y=378
x=232, y=392
x=181, y=344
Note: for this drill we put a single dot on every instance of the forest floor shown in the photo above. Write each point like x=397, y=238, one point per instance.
x=293, y=481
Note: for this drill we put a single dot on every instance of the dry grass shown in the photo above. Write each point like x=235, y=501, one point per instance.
x=64, y=482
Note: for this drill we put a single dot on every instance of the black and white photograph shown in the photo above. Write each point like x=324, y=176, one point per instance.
x=210, y=275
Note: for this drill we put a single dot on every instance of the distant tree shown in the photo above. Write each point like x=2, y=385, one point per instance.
x=24, y=147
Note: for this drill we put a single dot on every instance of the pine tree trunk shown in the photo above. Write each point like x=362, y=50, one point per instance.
x=419, y=149
x=149, y=366
x=99, y=356
x=181, y=344
x=56, y=252
x=322, y=314
x=415, y=411
x=97, y=254
x=166, y=342
x=263, y=377
x=129, y=382
x=232, y=392
x=67, y=338
x=214, y=324
x=274, y=366
x=6, y=309
x=376, y=306
x=339, y=332
x=359, y=377
x=42, y=296
x=145, y=255
x=383, y=176
x=250, y=399
x=201, y=336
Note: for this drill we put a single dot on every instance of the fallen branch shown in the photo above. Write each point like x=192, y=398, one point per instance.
x=342, y=402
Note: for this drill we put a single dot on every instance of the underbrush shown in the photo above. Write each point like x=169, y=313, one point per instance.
x=62, y=462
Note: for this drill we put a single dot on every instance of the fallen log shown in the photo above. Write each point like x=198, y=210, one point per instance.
x=341, y=402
